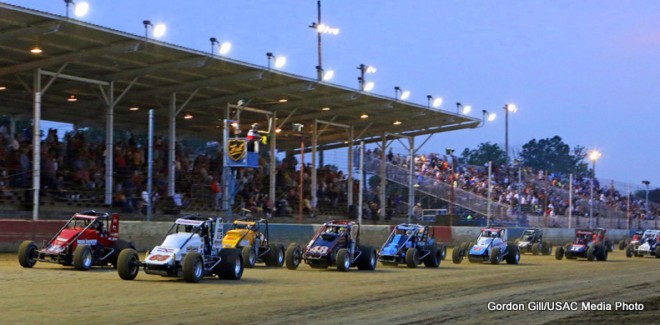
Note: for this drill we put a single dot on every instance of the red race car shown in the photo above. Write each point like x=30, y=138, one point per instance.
x=88, y=238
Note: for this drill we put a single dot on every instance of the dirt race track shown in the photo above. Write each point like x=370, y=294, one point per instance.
x=54, y=294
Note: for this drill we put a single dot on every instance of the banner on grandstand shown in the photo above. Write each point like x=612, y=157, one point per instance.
x=236, y=149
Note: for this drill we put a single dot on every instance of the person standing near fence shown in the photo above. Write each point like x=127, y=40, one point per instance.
x=216, y=193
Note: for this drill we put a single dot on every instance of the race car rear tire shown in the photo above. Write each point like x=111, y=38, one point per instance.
x=657, y=251
x=513, y=257
x=609, y=245
x=128, y=264
x=629, y=251
x=495, y=256
x=559, y=253
x=367, y=260
x=27, y=254
x=622, y=245
x=231, y=264
x=293, y=256
x=118, y=246
x=343, y=260
x=412, y=257
x=601, y=253
x=591, y=253
x=249, y=256
x=434, y=258
x=547, y=248
x=457, y=255
x=535, y=249
x=82, y=258
x=193, y=267
x=275, y=256
x=443, y=250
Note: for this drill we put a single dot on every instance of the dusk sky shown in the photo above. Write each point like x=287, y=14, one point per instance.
x=588, y=71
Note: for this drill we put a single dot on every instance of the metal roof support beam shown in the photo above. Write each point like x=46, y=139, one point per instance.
x=109, y=135
x=350, y=170
x=69, y=57
x=54, y=77
x=22, y=31
x=178, y=87
x=60, y=75
x=298, y=86
x=36, y=143
x=111, y=103
x=273, y=160
x=171, y=145
x=315, y=136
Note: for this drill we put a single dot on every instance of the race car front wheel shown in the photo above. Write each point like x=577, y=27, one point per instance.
x=27, y=254
x=128, y=264
x=293, y=256
x=82, y=258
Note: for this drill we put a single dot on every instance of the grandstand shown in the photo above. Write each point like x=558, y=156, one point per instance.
x=305, y=122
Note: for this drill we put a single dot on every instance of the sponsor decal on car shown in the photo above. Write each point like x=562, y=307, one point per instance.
x=87, y=241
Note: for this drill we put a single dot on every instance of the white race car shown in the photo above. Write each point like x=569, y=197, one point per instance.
x=191, y=249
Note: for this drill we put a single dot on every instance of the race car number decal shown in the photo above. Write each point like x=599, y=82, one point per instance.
x=319, y=249
x=159, y=257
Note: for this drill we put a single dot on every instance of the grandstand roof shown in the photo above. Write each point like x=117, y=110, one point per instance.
x=98, y=53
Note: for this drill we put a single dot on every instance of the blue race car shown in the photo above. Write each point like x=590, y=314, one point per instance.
x=491, y=246
x=411, y=244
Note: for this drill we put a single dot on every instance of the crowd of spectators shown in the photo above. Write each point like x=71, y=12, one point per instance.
x=540, y=194
x=75, y=163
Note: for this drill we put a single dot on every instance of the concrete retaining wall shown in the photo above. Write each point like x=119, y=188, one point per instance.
x=145, y=235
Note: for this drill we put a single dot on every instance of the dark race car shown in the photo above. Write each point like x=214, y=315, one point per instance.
x=87, y=239
x=531, y=241
x=411, y=244
x=336, y=243
x=588, y=243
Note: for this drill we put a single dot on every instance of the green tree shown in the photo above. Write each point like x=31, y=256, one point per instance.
x=553, y=155
x=484, y=153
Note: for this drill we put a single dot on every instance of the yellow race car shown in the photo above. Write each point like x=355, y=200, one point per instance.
x=250, y=235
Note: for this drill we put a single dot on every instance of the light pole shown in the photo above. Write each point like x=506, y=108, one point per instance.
x=507, y=108
x=646, y=208
x=452, y=194
x=517, y=163
x=593, y=155
x=321, y=29
x=365, y=86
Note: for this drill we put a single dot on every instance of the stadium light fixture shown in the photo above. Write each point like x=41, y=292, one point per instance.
x=434, y=102
x=158, y=29
x=364, y=69
x=72, y=98
x=80, y=9
x=321, y=28
x=328, y=75
x=280, y=61
x=507, y=108
x=364, y=116
x=401, y=94
x=466, y=109
x=223, y=49
x=36, y=50
x=188, y=116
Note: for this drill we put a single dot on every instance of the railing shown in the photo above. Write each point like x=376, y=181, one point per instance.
x=429, y=186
